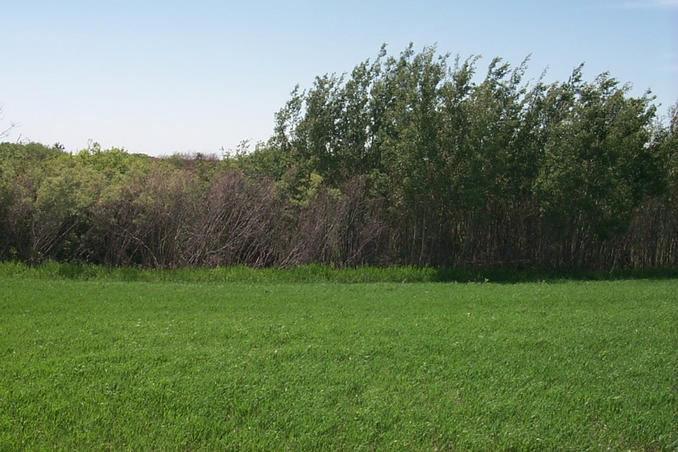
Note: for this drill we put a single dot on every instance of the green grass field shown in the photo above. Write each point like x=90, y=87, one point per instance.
x=307, y=366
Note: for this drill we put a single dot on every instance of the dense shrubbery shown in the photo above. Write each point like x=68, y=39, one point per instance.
x=407, y=160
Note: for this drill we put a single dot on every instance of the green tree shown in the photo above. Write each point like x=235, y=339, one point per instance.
x=597, y=162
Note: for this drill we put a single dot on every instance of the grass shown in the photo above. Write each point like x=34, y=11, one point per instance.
x=317, y=273
x=98, y=364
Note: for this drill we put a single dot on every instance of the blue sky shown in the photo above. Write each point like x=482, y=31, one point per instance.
x=168, y=76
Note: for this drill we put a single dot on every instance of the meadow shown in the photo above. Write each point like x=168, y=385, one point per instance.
x=97, y=363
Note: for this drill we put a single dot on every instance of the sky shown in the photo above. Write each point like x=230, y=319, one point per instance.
x=161, y=77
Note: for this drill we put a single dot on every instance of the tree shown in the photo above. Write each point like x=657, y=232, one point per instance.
x=597, y=163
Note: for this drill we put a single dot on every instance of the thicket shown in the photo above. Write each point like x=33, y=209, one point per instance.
x=408, y=160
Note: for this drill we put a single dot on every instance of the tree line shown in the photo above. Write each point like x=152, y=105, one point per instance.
x=408, y=159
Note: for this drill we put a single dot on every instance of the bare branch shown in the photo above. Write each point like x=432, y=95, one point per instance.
x=4, y=132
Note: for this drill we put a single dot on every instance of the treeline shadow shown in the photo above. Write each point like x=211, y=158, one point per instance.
x=524, y=275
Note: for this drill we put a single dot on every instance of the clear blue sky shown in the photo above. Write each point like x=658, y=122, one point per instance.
x=178, y=76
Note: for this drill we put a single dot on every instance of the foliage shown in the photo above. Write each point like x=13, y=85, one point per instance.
x=414, y=159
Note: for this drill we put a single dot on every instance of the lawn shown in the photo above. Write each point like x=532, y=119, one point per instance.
x=306, y=366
